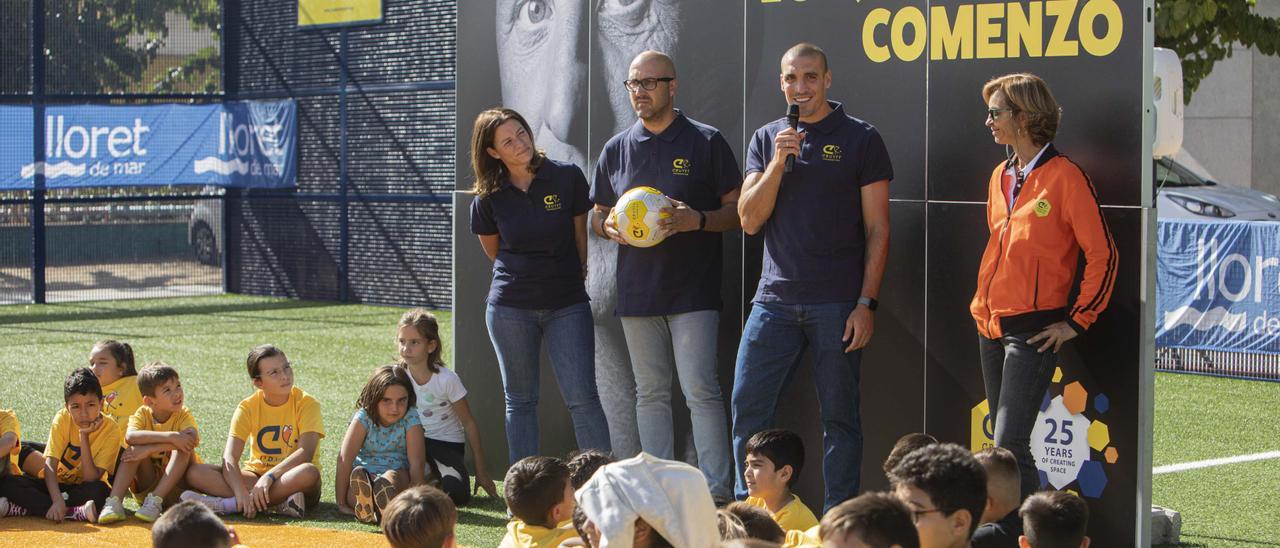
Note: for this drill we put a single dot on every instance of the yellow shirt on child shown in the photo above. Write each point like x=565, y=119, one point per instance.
x=275, y=432
x=120, y=400
x=795, y=515
x=64, y=437
x=523, y=535
x=803, y=539
x=144, y=419
x=9, y=424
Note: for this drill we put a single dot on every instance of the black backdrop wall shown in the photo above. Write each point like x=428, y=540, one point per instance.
x=915, y=70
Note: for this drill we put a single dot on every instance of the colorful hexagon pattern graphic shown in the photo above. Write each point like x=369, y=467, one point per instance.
x=1112, y=455
x=1092, y=479
x=1074, y=397
x=1099, y=435
x=1057, y=375
x=1102, y=403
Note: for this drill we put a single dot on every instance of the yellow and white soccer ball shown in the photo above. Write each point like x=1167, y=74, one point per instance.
x=636, y=216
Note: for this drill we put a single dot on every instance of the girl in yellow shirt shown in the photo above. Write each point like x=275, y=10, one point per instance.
x=112, y=362
x=282, y=426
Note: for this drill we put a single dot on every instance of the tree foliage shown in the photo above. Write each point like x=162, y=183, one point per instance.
x=105, y=46
x=1202, y=32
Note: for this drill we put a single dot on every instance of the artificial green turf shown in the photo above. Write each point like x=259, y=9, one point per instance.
x=333, y=348
x=1199, y=418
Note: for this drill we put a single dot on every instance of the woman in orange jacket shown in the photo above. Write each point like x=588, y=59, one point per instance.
x=1042, y=211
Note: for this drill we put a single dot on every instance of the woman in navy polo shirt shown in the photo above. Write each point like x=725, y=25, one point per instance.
x=530, y=215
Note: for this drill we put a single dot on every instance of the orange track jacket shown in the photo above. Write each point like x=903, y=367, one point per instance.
x=1029, y=265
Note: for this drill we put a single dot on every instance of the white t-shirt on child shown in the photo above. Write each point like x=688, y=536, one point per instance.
x=435, y=406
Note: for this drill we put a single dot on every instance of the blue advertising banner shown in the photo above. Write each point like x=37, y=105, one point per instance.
x=1218, y=286
x=242, y=144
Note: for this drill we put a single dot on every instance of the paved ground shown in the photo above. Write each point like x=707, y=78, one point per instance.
x=113, y=281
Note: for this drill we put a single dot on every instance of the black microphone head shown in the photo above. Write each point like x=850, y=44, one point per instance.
x=793, y=115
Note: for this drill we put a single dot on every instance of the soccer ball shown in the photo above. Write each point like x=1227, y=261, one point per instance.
x=636, y=216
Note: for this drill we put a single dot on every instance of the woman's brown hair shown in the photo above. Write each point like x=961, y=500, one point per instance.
x=1028, y=95
x=490, y=171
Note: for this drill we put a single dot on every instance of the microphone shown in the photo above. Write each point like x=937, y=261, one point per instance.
x=793, y=120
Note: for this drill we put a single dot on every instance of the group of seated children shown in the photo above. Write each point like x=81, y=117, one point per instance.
x=126, y=432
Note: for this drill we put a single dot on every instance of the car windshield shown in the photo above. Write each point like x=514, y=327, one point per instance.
x=1170, y=174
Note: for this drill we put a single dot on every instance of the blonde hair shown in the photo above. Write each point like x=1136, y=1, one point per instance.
x=1028, y=95
x=489, y=171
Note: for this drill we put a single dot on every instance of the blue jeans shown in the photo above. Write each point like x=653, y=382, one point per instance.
x=1016, y=376
x=518, y=336
x=773, y=341
x=688, y=341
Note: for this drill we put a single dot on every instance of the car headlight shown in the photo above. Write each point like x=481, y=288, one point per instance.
x=1202, y=208
x=1271, y=198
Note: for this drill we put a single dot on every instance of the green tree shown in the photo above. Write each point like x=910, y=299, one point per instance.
x=94, y=46
x=1202, y=33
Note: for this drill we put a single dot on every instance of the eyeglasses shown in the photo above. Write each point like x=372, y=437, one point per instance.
x=994, y=113
x=646, y=83
x=915, y=514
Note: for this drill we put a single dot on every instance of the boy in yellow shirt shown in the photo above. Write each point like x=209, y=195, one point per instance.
x=540, y=499
x=10, y=443
x=82, y=443
x=774, y=460
x=162, y=439
x=283, y=426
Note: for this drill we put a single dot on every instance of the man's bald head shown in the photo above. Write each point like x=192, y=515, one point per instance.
x=804, y=49
x=656, y=60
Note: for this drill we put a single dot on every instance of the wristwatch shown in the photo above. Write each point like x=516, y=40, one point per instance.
x=870, y=303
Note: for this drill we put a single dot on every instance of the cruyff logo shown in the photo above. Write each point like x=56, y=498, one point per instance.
x=552, y=202
x=832, y=153
x=281, y=434
x=680, y=166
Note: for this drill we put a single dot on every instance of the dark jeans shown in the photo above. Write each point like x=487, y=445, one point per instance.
x=31, y=494
x=445, y=459
x=1016, y=376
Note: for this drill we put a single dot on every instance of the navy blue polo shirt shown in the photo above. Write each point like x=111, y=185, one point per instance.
x=537, y=265
x=688, y=161
x=814, y=241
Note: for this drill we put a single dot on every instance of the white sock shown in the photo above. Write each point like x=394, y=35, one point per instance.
x=228, y=505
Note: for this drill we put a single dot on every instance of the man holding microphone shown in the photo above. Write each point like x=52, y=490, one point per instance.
x=826, y=232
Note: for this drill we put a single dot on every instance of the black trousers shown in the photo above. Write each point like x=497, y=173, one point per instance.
x=31, y=494
x=445, y=459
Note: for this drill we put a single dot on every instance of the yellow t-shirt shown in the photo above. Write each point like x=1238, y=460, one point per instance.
x=803, y=539
x=522, y=535
x=274, y=433
x=144, y=419
x=104, y=444
x=795, y=515
x=9, y=423
x=120, y=400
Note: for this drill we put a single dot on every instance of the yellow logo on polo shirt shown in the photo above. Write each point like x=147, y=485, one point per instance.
x=680, y=166
x=552, y=202
x=831, y=153
x=1042, y=207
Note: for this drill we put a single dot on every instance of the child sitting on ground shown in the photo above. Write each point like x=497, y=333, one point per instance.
x=188, y=525
x=584, y=464
x=1000, y=525
x=10, y=443
x=774, y=460
x=647, y=502
x=757, y=522
x=420, y=517
x=162, y=438
x=905, y=445
x=283, y=426
x=540, y=499
x=83, y=442
x=113, y=363
x=945, y=489
x=383, y=451
x=871, y=519
x=442, y=405
x=1054, y=519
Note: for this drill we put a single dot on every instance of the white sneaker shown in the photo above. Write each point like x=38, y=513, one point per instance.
x=294, y=506
x=150, y=510
x=210, y=501
x=112, y=511
x=9, y=509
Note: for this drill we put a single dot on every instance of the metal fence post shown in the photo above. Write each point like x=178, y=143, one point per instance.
x=344, y=214
x=37, y=153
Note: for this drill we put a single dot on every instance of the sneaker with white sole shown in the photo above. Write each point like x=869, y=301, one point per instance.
x=87, y=512
x=112, y=511
x=150, y=509
x=294, y=506
x=11, y=510
x=362, y=488
x=211, y=502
